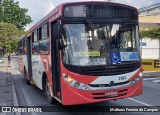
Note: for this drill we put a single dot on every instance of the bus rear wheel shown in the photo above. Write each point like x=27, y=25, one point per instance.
x=25, y=76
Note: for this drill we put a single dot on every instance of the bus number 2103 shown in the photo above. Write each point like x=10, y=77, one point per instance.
x=122, y=78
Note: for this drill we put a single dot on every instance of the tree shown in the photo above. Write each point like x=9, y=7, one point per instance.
x=9, y=35
x=153, y=33
x=10, y=12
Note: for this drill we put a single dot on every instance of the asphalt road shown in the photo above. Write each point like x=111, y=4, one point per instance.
x=30, y=95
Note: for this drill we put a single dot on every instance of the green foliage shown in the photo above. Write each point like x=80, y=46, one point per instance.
x=10, y=12
x=9, y=35
x=153, y=33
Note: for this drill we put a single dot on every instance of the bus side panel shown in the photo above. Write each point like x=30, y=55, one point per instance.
x=46, y=60
x=25, y=61
x=37, y=70
x=21, y=63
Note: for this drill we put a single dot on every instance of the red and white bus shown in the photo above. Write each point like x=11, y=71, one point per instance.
x=84, y=52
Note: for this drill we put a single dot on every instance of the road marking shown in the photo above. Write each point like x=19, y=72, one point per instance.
x=140, y=102
x=156, y=81
x=145, y=79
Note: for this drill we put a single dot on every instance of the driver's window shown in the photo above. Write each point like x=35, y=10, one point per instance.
x=128, y=42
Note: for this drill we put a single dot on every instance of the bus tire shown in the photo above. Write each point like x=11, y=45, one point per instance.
x=50, y=99
x=25, y=76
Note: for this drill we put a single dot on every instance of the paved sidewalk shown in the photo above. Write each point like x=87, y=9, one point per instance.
x=7, y=90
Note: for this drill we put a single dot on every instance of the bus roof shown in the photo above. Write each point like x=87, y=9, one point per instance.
x=58, y=10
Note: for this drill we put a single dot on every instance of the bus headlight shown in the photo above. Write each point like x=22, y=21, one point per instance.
x=84, y=86
x=76, y=84
x=133, y=82
x=72, y=82
x=138, y=78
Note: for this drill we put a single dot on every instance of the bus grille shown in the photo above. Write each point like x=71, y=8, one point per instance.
x=104, y=96
x=108, y=85
x=106, y=72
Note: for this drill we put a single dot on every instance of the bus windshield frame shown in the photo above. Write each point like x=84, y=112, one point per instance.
x=90, y=19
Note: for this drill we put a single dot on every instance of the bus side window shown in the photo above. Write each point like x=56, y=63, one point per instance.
x=35, y=44
x=20, y=47
x=24, y=46
x=44, y=42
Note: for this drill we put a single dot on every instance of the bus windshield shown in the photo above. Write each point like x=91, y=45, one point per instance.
x=100, y=44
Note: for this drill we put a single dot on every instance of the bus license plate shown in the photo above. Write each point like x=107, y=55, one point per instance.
x=111, y=94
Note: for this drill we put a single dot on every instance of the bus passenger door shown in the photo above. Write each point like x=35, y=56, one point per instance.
x=37, y=66
x=55, y=57
x=29, y=57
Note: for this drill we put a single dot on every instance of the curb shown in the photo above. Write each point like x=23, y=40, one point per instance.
x=15, y=99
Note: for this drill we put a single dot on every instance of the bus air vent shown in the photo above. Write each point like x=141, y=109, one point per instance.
x=108, y=85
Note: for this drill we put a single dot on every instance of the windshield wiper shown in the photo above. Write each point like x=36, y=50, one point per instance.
x=124, y=26
x=90, y=24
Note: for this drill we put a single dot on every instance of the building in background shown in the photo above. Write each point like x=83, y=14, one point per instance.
x=149, y=17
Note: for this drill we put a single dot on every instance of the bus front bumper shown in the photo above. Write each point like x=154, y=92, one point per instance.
x=73, y=96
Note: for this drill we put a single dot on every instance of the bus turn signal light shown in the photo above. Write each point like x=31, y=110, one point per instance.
x=69, y=80
x=72, y=82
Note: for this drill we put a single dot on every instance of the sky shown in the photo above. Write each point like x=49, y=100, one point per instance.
x=37, y=9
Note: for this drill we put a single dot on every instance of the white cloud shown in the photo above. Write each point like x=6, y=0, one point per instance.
x=137, y=3
x=37, y=9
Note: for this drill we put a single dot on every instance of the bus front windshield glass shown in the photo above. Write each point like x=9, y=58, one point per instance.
x=100, y=44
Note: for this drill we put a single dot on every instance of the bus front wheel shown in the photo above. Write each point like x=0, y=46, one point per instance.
x=48, y=93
